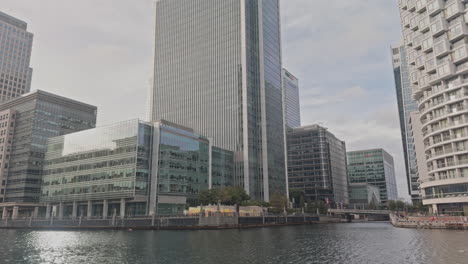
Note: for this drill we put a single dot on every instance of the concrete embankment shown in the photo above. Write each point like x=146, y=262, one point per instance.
x=167, y=223
x=430, y=222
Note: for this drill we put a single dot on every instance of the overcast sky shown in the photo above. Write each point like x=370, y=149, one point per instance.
x=100, y=52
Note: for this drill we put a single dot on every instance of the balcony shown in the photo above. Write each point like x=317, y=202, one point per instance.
x=420, y=61
x=439, y=27
x=424, y=25
x=454, y=9
x=427, y=44
x=446, y=71
x=406, y=21
x=414, y=25
x=423, y=82
x=430, y=65
x=421, y=6
x=460, y=54
x=458, y=31
x=434, y=7
x=417, y=41
x=411, y=5
x=442, y=48
x=403, y=4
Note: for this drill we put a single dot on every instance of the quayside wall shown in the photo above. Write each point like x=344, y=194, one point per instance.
x=171, y=222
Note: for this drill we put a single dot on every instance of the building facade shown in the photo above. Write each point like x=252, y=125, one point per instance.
x=363, y=195
x=375, y=167
x=435, y=35
x=292, y=106
x=15, y=54
x=218, y=70
x=406, y=105
x=317, y=165
x=26, y=122
x=132, y=168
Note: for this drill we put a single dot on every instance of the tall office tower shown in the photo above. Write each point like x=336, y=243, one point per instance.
x=15, y=54
x=406, y=105
x=375, y=167
x=436, y=38
x=317, y=164
x=26, y=122
x=218, y=71
x=292, y=106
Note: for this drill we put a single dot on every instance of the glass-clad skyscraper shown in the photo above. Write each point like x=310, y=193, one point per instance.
x=375, y=167
x=406, y=105
x=292, y=107
x=317, y=165
x=15, y=55
x=218, y=70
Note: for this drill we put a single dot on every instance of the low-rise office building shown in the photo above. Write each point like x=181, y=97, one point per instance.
x=376, y=167
x=317, y=164
x=132, y=168
x=26, y=122
x=363, y=195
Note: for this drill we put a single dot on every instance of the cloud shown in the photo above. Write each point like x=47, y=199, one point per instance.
x=318, y=97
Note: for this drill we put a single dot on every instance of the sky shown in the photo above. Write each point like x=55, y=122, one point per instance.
x=101, y=52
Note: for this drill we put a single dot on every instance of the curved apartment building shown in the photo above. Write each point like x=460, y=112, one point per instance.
x=436, y=37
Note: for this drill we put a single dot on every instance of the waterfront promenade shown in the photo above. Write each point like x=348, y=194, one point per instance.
x=429, y=222
x=170, y=222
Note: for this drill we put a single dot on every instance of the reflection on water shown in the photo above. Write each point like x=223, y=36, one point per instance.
x=340, y=243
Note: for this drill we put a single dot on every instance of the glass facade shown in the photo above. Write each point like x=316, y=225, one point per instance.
x=15, y=54
x=37, y=117
x=218, y=70
x=317, y=164
x=374, y=167
x=406, y=105
x=98, y=164
x=157, y=168
x=183, y=169
x=292, y=108
x=361, y=195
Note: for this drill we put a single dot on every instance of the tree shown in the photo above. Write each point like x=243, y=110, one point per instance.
x=400, y=205
x=279, y=201
x=297, y=196
x=233, y=195
x=208, y=197
x=312, y=207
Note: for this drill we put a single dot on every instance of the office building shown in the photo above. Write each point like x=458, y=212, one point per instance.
x=218, y=70
x=375, y=167
x=435, y=37
x=26, y=122
x=15, y=55
x=363, y=196
x=406, y=105
x=132, y=168
x=292, y=106
x=317, y=165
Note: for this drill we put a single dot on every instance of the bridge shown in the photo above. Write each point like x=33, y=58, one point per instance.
x=375, y=215
x=359, y=211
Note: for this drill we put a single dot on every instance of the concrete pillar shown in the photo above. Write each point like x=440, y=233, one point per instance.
x=89, y=214
x=122, y=208
x=60, y=211
x=75, y=210
x=434, y=209
x=105, y=208
x=36, y=212
x=14, y=215
x=48, y=210
x=5, y=213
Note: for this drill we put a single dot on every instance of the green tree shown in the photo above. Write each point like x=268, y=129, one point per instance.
x=392, y=206
x=208, y=197
x=312, y=207
x=297, y=196
x=279, y=201
x=400, y=205
x=233, y=195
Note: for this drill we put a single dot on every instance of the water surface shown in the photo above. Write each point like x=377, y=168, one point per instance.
x=333, y=243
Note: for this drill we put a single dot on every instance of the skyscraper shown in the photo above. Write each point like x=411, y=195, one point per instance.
x=317, y=164
x=15, y=54
x=375, y=167
x=292, y=107
x=406, y=105
x=218, y=70
x=435, y=35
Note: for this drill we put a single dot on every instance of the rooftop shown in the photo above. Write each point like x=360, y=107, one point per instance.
x=13, y=21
